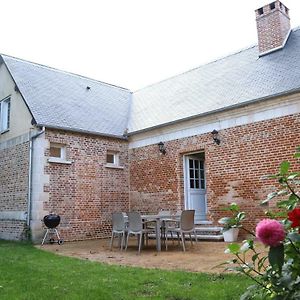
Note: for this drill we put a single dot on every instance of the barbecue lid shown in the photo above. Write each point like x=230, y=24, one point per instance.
x=52, y=220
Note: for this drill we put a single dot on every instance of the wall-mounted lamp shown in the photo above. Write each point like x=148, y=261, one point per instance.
x=216, y=138
x=161, y=147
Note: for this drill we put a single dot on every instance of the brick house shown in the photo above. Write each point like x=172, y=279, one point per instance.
x=84, y=149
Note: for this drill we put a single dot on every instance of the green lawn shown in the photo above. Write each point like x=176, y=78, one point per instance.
x=29, y=273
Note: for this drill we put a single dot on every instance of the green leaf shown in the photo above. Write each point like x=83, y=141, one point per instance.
x=254, y=257
x=234, y=248
x=272, y=195
x=284, y=167
x=261, y=262
x=266, y=201
x=245, y=247
x=283, y=192
x=293, y=175
x=234, y=207
x=224, y=220
x=240, y=216
x=276, y=256
x=297, y=154
x=250, y=243
x=294, y=237
x=248, y=295
x=289, y=204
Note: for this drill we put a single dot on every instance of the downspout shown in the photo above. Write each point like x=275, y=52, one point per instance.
x=30, y=174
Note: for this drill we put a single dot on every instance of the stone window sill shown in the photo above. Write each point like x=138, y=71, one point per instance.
x=112, y=166
x=60, y=161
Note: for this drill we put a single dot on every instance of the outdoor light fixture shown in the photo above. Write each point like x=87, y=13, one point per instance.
x=161, y=147
x=216, y=138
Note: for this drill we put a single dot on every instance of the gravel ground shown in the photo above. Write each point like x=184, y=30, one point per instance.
x=201, y=257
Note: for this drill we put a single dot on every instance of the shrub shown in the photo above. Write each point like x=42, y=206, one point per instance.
x=277, y=274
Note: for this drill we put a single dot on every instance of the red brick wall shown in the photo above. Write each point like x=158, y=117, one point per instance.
x=272, y=27
x=86, y=193
x=233, y=169
x=13, y=188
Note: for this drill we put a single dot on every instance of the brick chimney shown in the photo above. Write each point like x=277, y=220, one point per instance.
x=273, y=27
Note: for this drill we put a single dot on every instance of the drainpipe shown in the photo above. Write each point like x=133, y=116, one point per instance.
x=30, y=174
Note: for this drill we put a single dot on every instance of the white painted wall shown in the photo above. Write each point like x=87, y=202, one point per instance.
x=20, y=117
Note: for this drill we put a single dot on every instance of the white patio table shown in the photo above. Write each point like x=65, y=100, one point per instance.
x=158, y=222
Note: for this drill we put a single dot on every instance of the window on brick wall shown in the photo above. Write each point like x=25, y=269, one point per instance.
x=4, y=115
x=58, y=154
x=112, y=158
x=58, y=151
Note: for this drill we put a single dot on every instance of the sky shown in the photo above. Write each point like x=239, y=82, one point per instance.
x=129, y=43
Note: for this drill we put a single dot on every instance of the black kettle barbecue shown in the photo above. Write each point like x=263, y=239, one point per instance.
x=51, y=221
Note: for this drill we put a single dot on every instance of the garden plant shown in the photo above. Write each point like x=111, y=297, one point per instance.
x=276, y=272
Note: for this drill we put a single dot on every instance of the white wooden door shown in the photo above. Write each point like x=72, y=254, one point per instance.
x=195, y=186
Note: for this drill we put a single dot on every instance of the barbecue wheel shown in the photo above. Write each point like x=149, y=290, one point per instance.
x=60, y=242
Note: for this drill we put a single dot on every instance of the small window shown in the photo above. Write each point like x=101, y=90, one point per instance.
x=58, y=151
x=261, y=11
x=112, y=158
x=272, y=6
x=4, y=115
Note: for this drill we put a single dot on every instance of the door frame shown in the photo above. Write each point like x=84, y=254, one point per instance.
x=186, y=182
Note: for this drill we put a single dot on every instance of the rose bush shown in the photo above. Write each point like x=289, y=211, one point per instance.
x=276, y=274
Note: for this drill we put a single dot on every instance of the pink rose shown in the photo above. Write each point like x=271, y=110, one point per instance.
x=270, y=232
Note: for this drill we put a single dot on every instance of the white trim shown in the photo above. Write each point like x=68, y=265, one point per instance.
x=60, y=161
x=116, y=157
x=13, y=215
x=185, y=183
x=5, y=114
x=277, y=48
x=15, y=141
x=63, y=152
x=269, y=109
x=113, y=166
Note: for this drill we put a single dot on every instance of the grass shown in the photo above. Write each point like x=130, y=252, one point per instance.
x=30, y=273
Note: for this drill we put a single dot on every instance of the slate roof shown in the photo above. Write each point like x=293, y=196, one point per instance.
x=61, y=100
x=228, y=82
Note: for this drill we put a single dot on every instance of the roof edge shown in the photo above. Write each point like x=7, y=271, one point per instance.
x=253, y=101
x=122, y=137
x=65, y=72
x=12, y=77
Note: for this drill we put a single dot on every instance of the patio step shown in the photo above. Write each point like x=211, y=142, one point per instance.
x=209, y=232
x=203, y=222
x=210, y=237
x=210, y=229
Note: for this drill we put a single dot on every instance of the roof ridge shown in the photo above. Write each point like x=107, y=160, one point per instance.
x=64, y=72
x=207, y=63
x=201, y=66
